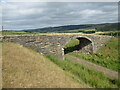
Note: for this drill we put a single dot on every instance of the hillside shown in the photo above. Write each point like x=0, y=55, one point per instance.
x=76, y=28
x=106, y=56
x=23, y=67
x=107, y=27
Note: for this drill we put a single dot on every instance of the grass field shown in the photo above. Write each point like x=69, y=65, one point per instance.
x=16, y=32
x=35, y=33
x=23, y=67
x=106, y=56
x=68, y=32
x=110, y=33
x=89, y=76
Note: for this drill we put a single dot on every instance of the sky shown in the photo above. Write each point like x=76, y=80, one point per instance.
x=30, y=15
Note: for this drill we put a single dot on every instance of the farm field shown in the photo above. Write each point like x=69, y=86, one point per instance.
x=29, y=33
x=68, y=32
x=110, y=33
x=15, y=33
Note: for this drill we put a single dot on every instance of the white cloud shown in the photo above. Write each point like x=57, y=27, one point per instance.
x=62, y=0
x=91, y=12
x=35, y=15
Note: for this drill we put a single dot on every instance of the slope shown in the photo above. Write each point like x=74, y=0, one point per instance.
x=25, y=68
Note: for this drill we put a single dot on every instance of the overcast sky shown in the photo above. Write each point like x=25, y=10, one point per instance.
x=18, y=15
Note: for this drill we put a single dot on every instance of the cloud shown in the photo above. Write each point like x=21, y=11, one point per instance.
x=61, y=0
x=44, y=14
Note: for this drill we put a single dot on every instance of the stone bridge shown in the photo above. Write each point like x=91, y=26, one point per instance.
x=54, y=44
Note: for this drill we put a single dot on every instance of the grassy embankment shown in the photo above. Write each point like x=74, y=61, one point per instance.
x=23, y=67
x=89, y=76
x=107, y=56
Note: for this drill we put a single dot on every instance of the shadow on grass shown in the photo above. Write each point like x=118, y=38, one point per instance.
x=71, y=49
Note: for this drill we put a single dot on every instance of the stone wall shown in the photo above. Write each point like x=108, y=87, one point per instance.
x=54, y=44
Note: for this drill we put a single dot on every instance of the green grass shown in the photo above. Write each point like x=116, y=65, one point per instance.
x=80, y=31
x=16, y=32
x=38, y=33
x=106, y=56
x=110, y=33
x=89, y=76
x=90, y=30
x=73, y=45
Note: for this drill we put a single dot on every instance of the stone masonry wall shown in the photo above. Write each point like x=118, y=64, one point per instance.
x=54, y=44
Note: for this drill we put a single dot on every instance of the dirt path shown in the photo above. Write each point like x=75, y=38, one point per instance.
x=108, y=72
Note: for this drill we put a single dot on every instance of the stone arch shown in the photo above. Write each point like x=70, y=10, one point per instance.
x=86, y=45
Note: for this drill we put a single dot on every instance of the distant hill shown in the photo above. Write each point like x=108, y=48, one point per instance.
x=107, y=27
x=97, y=27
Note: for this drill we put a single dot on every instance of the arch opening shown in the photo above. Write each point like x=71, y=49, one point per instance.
x=79, y=45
